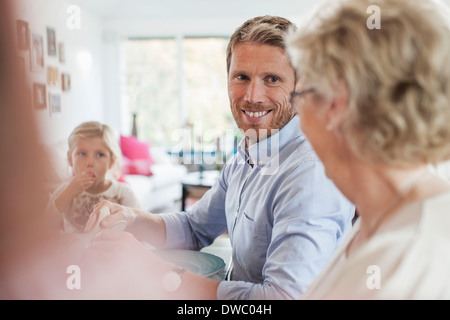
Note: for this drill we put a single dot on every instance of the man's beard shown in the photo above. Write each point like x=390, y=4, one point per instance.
x=253, y=132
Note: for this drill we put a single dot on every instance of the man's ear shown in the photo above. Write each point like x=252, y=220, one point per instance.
x=338, y=106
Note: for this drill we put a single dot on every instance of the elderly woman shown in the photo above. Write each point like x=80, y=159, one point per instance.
x=375, y=103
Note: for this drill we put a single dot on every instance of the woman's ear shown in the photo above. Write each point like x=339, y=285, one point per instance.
x=338, y=107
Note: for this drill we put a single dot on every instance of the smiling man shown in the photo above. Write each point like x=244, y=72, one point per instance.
x=259, y=86
x=283, y=224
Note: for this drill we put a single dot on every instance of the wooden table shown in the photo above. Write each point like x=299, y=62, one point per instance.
x=195, y=184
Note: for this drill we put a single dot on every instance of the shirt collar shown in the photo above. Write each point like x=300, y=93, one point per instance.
x=262, y=152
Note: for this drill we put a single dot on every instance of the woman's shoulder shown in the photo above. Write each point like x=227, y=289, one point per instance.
x=410, y=252
x=418, y=225
x=435, y=219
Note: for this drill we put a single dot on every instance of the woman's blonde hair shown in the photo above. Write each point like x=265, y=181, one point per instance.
x=94, y=129
x=397, y=75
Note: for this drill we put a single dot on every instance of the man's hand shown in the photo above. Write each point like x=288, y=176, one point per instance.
x=118, y=218
x=145, y=226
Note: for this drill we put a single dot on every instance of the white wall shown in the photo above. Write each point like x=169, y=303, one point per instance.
x=84, y=101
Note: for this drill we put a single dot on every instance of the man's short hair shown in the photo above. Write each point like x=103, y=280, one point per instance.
x=270, y=30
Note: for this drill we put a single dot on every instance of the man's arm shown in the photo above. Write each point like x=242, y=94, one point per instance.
x=309, y=218
x=204, y=222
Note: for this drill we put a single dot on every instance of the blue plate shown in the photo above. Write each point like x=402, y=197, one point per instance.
x=201, y=263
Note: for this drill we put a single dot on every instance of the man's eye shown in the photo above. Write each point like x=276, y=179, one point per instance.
x=81, y=154
x=241, y=77
x=100, y=155
x=273, y=79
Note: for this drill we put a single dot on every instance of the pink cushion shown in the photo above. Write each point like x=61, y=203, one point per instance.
x=137, y=166
x=136, y=156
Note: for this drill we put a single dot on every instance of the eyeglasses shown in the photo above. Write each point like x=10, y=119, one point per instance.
x=295, y=94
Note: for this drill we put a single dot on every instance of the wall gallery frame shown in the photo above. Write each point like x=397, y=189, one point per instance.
x=39, y=96
x=51, y=41
x=44, y=94
x=62, y=52
x=37, y=53
x=23, y=35
x=52, y=76
x=54, y=104
x=65, y=79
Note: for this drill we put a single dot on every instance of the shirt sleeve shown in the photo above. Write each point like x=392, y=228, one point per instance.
x=309, y=218
x=200, y=225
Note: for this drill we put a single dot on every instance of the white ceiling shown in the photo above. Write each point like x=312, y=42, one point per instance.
x=200, y=9
x=143, y=18
x=221, y=9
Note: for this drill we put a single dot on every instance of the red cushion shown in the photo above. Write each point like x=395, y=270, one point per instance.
x=136, y=156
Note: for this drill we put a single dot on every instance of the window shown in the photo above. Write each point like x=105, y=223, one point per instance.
x=178, y=89
x=151, y=87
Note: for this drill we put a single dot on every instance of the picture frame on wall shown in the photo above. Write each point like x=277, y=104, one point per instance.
x=49, y=75
x=51, y=41
x=54, y=105
x=52, y=76
x=62, y=52
x=39, y=96
x=65, y=80
x=23, y=35
x=37, y=53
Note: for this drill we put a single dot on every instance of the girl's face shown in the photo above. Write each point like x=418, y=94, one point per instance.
x=93, y=156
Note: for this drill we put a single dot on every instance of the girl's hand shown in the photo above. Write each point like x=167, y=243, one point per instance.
x=81, y=182
x=77, y=184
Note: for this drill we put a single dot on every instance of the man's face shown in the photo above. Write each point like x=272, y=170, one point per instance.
x=260, y=82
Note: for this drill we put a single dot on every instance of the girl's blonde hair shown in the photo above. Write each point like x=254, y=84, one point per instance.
x=94, y=129
x=397, y=76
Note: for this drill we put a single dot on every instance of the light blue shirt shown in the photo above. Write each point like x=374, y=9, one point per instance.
x=285, y=218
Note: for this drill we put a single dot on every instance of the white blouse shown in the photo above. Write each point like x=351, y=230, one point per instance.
x=407, y=258
x=82, y=205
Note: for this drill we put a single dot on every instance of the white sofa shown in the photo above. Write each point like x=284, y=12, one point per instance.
x=162, y=190
x=156, y=193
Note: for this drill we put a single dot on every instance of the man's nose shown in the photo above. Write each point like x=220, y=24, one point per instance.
x=256, y=92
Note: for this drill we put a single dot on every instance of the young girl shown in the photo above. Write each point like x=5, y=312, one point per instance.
x=93, y=155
